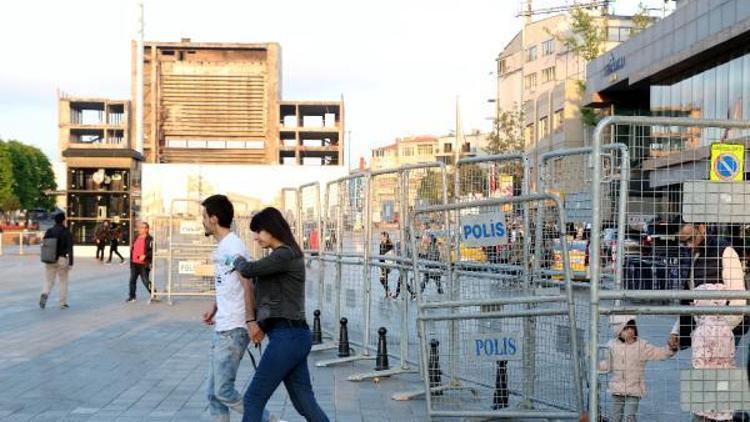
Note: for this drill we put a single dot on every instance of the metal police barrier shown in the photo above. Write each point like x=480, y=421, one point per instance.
x=289, y=207
x=495, y=308
x=183, y=255
x=690, y=203
x=414, y=186
x=25, y=238
x=568, y=173
x=346, y=234
x=479, y=178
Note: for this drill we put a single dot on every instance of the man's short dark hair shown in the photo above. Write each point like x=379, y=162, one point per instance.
x=59, y=217
x=219, y=206
x=145, y=224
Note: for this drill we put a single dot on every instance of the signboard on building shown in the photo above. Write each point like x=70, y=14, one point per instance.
x=488, y=229
x=727, y=163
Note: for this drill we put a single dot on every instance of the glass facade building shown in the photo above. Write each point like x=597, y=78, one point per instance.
x=721, y=91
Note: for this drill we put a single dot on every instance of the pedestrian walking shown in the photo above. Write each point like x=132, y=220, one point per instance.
x=386, y=247
x=64, y=260
x=228, y=312
x=403, y=274
x=430, y=252
x=279, y=313
x=141, y=256
x=114, y=241
x=626, y=361
x=101, y=237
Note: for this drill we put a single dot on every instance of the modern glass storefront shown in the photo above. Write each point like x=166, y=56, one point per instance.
x=96, y=195
x=721, y=91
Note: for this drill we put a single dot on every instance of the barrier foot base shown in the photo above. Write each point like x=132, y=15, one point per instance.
x=380, y=374
x=338, y=361
x=329, y=345
x=413, y=395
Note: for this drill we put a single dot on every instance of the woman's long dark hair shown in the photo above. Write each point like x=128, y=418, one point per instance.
x=271, y=220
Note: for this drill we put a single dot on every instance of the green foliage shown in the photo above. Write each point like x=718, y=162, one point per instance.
x=589, y=116
x=588, y=36
x=641, y=20
x=25, y=173
x=429, y=188
x=507, y=133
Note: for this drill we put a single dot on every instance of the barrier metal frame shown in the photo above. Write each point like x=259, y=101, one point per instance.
x=422, y=316
x=373, y=261
x=338, y=259
x=608, y=123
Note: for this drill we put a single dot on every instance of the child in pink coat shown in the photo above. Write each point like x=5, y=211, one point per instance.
x=627, y=361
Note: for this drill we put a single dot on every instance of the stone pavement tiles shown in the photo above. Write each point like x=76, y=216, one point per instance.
x=106, y=360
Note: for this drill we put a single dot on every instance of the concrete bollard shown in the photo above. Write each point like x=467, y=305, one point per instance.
x=433, y=366
x=20, y=243
x=381, y=360
x=500, y=398
x=343, y=339
x=1, y=243
x=317, y=332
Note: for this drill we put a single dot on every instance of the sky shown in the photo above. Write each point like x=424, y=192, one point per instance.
x=400, y=65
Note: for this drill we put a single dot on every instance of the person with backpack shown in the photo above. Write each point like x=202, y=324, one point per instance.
x=114, y=242
x=57, y=255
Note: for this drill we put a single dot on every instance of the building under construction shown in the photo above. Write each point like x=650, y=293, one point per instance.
x=220, y=103
x=205, y=104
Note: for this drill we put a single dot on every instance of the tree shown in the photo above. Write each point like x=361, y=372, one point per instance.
x=586, y=40
x=25, y=174
x=587, y=34
x=507, y=132
x=641, y=20
x=8, y=200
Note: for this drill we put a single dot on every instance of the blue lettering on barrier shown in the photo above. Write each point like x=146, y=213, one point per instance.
x=480, y=231
x=503, y=346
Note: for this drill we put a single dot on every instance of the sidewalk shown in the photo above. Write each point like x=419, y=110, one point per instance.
x=106, y=360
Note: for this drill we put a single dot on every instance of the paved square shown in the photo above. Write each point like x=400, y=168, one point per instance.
x=106, y=360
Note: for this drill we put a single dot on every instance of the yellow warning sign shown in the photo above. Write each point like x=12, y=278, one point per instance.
x=727, y=162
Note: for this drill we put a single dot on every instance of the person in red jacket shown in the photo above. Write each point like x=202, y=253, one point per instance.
x=141, y=255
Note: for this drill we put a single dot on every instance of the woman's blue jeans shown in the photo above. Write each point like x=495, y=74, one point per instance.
x=284, y=360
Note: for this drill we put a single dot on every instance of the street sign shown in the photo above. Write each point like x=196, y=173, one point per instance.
x=727, y=163
x=488, y=229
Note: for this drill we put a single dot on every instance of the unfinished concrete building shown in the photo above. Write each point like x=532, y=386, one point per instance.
x=220, y=103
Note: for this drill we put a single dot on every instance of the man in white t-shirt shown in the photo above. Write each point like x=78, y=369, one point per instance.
x=227, y=313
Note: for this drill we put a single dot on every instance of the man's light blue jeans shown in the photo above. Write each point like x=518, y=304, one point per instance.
x=227, y=349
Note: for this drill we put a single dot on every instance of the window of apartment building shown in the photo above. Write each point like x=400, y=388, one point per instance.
x=529, y=81
x=548, y=47
x=528, y=135
x=424, y=149
x=447, y=147
x=531, y=53
x=502, y=67
x=557, y=121
x=407, y=151
x=618, y=33
x=548, y=74
x=543, y=127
